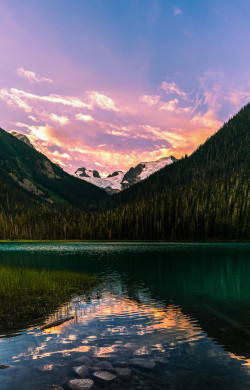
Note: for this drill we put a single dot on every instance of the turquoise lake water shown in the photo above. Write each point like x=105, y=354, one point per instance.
x=183, y=307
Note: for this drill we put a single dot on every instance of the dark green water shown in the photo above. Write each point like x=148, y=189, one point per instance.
x=185, y=307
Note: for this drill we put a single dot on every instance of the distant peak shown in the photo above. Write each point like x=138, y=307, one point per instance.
x=83, y=172
x=116, y=173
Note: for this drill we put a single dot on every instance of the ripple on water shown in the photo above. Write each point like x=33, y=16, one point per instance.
x=123, y=320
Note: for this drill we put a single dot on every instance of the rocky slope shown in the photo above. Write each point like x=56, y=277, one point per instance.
x=22, y=137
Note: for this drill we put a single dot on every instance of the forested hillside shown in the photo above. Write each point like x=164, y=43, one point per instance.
x=29, y=178
x=201, y=197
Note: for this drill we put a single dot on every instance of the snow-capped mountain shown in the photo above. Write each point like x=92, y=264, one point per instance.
x=118, y=180
x=111, y=183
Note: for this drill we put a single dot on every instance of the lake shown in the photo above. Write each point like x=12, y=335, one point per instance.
x=176, y=314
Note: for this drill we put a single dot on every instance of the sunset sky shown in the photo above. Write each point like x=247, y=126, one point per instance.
x=105, y=84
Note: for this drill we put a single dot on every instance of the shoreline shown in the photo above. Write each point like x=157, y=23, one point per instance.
x=132, y=241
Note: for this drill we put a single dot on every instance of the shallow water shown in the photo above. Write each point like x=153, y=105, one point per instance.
x=185, y=307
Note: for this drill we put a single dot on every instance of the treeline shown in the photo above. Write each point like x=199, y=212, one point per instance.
x=186, y=213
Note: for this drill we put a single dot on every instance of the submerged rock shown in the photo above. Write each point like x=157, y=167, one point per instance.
x=145, y=364
x=55, y=387
x=81, y=384
x=2, y=367
x=162, y=360
x=122, y=364
x=123, y=373
x=82, y=371
x=104, y=366
x=104, y=376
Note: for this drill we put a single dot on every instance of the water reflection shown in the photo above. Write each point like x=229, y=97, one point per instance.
x=184, y=307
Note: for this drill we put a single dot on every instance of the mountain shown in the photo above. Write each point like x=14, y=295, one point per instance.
x=111, y=184
x=31, y=175
x=22, y=137
x=144, y=170
x=118, y=180
x=202, y=197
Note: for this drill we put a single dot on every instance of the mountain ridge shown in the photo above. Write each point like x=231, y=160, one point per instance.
x=119, y=180
x=39, y=177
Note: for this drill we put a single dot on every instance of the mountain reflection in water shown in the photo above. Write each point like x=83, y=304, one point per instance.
x=183, y=306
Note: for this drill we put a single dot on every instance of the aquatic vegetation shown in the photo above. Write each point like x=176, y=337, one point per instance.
x=27, y=296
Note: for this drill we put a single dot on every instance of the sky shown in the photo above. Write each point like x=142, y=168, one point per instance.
x=106, y=84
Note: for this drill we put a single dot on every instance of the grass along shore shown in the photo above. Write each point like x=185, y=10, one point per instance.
x=28, y=296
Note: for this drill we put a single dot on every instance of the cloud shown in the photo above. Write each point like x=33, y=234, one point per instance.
x=172, y=88
x=13, y=99
x=169, y=106
x=206, y=120
x=221, y=96
x=236, y=97
x=33, y=118
x=85, y=118
x=21, y=98
x=44, y=133
x=32, y=77
x=62, y=155
x=150, y=100
x=104, y=102
x=62, y=120
x=177, y=11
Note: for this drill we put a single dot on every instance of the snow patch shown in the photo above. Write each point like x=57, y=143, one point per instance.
x=154, y=166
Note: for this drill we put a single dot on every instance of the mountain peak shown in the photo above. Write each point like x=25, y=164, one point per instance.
x=84, y=172
x=116, y=173
x=23, y=138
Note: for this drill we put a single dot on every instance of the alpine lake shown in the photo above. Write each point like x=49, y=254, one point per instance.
x=144, y=315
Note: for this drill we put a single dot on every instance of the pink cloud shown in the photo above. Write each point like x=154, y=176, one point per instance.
x=24, y=99
x=61, y=119
x=169, y=106
x=150, y=100
x=85, y=118
x=13, y=99
x=172, y=88
x=32, y=77
x=104, y=102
